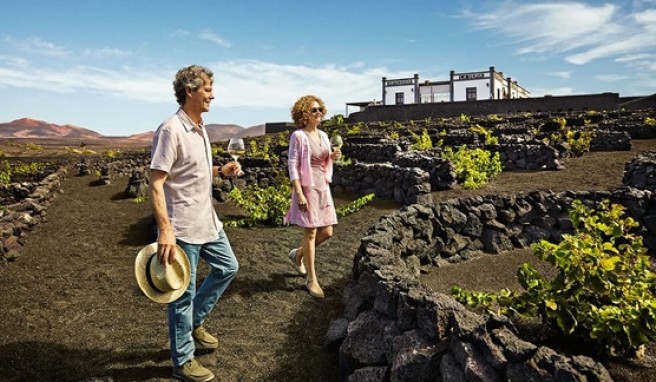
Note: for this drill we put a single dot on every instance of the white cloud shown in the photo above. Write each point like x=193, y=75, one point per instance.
x=585, y=32
x=14, y=61
x=550, y=27
x=635, y=57
x=142, y=86
x=562, y=91
x=238, y=83
x=216, y=39
x=563, y=75
x=181, y=32
x=105, y=52
x=38, y=46
x=610, y=77
x=251, y=83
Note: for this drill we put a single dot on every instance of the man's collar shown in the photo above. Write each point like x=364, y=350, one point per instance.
x=187, y=123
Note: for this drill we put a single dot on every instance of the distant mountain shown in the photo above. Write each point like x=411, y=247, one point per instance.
x=225, y=132
x=253, y=131
x=30, y=128
x=217, y=132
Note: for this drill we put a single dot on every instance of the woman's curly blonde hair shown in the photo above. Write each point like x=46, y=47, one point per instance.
x=301, y=109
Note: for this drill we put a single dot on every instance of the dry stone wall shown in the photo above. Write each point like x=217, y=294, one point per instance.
x=404, y=185
x=640, y=172
x=26, y=210
x=404, y=332
x=395, y=329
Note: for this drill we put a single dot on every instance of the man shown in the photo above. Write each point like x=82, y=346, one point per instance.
x=181, y=196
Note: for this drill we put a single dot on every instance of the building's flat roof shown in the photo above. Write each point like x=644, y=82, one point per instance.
x=361, y=103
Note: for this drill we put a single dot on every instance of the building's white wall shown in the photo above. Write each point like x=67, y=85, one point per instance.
x=408, y=94
x=488, y=84
x=522, y=93
x=482, y=89
x=500, y=90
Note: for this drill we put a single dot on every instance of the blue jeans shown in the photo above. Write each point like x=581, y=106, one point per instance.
x=191, y=309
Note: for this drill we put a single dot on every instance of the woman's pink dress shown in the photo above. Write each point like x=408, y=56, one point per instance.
x=321, y=209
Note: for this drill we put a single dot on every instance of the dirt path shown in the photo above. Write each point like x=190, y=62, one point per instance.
x=70, y=309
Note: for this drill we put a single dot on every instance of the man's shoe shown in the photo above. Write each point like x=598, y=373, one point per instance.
x=203, y=340
x=192, y=371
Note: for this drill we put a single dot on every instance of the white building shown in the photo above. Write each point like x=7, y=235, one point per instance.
x=466, y=86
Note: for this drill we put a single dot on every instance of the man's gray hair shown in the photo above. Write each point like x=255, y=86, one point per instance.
x=191, y=77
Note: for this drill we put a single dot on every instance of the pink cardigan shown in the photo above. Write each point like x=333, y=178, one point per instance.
x=299, y=158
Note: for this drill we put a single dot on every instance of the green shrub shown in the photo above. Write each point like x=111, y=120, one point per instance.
x=336, y=122
x=263, y=205
x=473, y=167
x=423, y=142
x=8, y=169
x=604, y=290
x=579, y=141
x=270, y=205
x=489, y=138
x=354, y=206
x=561, y=121
x=112, y=154
x=355, y=129
x=33, y=147
x=140, y=199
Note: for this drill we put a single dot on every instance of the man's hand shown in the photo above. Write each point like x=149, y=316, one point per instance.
x=166, y=248
x=232, y=169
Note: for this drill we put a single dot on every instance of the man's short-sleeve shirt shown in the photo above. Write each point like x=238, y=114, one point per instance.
x=182, y=150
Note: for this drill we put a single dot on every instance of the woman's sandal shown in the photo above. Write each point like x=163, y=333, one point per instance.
x=315, y=291
x=300, y=269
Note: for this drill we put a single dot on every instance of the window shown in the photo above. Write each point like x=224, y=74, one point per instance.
x=399, y=98
x=471, y=94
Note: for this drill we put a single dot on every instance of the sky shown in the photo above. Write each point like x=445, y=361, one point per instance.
x=109, y=65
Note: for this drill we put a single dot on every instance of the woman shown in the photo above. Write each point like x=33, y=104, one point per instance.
x=310, y=171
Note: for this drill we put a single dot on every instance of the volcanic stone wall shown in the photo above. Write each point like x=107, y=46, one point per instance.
x=640, y=172
x=395, y=328
x=404, y=185
x=25, y=210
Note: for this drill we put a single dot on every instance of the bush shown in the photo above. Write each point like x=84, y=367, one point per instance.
x=9, y=170
x=579, y=141
x=604, y=290
x=474, y=167
x=263, y=205
x=270, y=205
x=423, y=142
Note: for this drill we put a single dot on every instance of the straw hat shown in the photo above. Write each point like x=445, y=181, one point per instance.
x=162, y=283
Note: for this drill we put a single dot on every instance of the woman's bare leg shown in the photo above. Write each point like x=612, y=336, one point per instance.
x=308, y=252
x=322, y=234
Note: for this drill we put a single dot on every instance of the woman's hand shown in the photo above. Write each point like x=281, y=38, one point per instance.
x=302, y=202
x=335, y=155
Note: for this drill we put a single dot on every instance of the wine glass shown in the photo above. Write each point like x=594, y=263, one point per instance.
x=236, y=149
x=336, y=142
